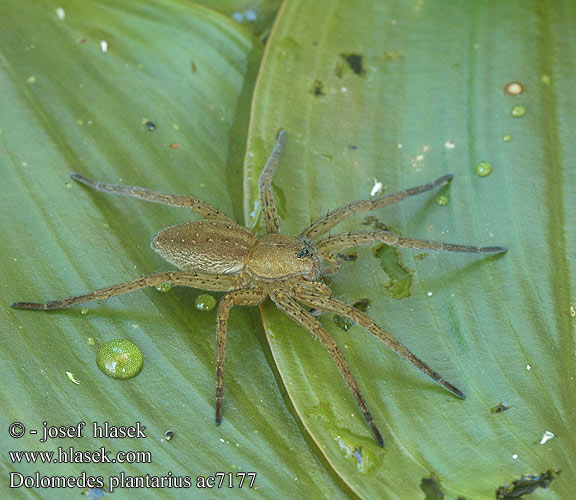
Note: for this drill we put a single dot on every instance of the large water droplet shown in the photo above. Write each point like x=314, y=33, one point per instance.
x=120, y=358
x=483, y=168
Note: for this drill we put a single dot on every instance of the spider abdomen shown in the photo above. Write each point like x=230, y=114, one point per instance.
x=207, y=245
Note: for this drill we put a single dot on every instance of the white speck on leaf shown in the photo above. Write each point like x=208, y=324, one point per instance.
x=547, y=436
x=377, y=189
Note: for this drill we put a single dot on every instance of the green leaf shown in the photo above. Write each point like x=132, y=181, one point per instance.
x=402, y=93
x=69, y=106
x=368, y=91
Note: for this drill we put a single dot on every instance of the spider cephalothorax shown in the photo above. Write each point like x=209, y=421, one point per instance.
x=217, y=254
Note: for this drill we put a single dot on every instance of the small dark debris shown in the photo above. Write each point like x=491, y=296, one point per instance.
x=362, y=305
x=353, y=147
x=500, y=407
x=150, y=125
x=317, y=88
x=174, y=145
x=168, y=435
x=432, y=488
x=193, y=67
x=355, y=62
x=421, y=256
x=526, y=485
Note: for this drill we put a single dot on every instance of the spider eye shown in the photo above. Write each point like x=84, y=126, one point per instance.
x=305, y=252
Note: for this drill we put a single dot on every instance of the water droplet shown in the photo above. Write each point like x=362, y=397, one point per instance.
x=164, y=287
x=169, y=435
x=119, y=358
x=442, y=200
x=514, y=88
x=205, y=302
x=342, y=322
x=506, y=137
x=31, y=79
x=84, y=311
x=483, y=168
x=518, y=111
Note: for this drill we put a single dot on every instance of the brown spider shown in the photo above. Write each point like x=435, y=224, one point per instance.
x=218, y=254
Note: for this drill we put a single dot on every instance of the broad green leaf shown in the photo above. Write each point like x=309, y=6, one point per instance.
x=402, y=93
x=68, y=105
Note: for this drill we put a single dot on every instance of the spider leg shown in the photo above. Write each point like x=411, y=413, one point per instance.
x=291, y=307
x=203, y=209
x=341, y=241
x=265, y=181
x=323, y=224
x=246, y=297
x=311, y=297
x=185, y=278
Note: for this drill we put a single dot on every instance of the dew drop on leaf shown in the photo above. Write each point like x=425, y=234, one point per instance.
x=119, y=358
x=163, y=287
x=342, y=322
x=442, y=200
x=205, y=302
x=483, y=168
x=518, y=111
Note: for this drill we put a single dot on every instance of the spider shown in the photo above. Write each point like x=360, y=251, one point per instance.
x=217, y=254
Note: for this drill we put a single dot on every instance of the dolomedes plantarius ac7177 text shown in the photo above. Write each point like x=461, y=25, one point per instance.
x=217, y=254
